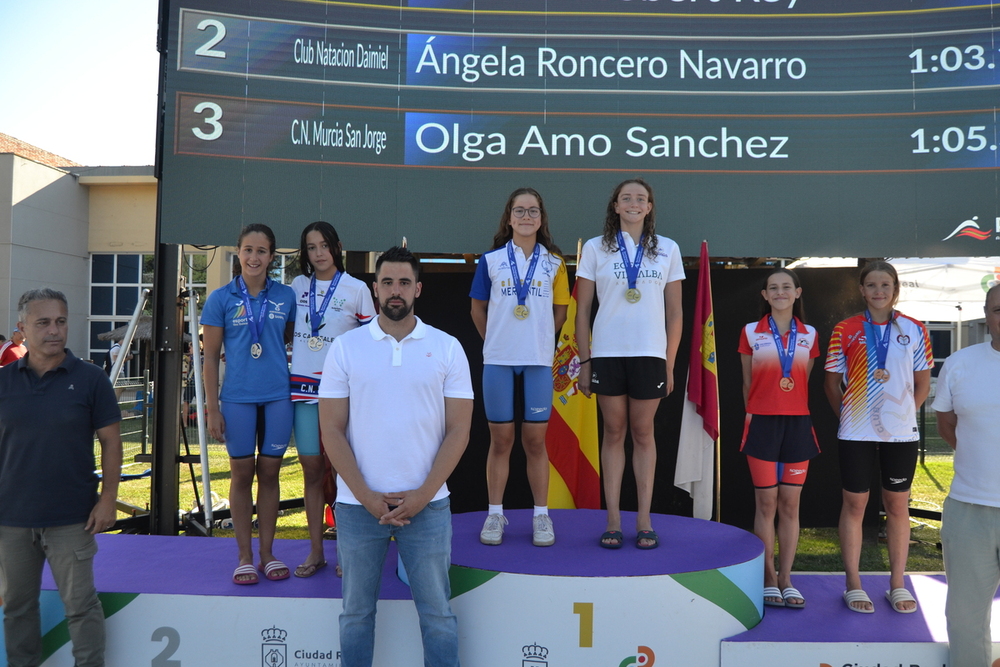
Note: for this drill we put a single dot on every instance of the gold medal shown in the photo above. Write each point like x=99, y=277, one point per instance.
x=520, y=311
x=881, y=375
x=316, y=343
x=786, y=384
x=632, y=295
x=256, y=350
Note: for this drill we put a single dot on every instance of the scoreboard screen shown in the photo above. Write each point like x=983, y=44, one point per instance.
x=767, y=127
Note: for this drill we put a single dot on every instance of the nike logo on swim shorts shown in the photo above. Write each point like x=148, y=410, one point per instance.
x=659, y=385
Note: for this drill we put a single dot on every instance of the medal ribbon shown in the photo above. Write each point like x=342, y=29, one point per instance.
x=881, y=344
x=316, y=316
x=256, y=325
x=631, y=268
x=522, y=288
x=785, y=356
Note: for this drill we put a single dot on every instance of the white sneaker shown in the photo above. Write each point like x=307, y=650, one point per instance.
x=544, y=534
x=492, y=532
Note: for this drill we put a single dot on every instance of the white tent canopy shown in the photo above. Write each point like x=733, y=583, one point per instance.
x=940, y=289
x=946, y=289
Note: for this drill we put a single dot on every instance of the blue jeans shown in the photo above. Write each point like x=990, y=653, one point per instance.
x=70, y=551
x=425, y=547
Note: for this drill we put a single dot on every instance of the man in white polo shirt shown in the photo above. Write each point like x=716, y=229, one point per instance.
x=395, y=412
x=967, y=403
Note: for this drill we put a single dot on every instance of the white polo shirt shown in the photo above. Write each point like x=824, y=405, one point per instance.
x=968, y=387
x=623, y=329
x=396, y=389
x=510, y=341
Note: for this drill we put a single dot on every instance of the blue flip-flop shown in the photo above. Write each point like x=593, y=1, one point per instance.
x=612, y=535
x=647, y=535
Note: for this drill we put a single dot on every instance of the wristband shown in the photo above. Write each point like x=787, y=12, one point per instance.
x=585, y=361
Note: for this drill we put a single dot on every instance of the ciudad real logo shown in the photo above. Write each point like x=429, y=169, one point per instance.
x=644, y=657
x=972, y=229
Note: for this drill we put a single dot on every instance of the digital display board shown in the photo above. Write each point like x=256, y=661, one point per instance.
x=767, y=127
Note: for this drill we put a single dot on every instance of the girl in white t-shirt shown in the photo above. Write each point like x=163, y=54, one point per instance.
x=636, y=276
x=519, y=299
x=328, y=303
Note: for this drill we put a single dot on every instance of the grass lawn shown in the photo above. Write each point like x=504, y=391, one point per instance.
x=819, y=548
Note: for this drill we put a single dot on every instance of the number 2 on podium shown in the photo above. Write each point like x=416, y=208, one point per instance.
x=586, y=612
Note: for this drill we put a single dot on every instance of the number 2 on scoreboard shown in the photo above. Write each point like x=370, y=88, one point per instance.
x=586, y=612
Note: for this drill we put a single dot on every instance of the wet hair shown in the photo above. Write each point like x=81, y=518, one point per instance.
x=613, y=223
x=255, y=228
x=397, y=254
x=798, y=310
x=42, y=294
x=332, y=239
x=506, y=233
x=885, y=267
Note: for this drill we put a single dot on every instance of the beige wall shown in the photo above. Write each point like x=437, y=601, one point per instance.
x=122, y=218
x=43, y=240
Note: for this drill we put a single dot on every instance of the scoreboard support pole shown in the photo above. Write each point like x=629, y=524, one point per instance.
x=168, y=354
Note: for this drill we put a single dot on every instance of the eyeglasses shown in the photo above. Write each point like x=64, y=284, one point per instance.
x=520, y=212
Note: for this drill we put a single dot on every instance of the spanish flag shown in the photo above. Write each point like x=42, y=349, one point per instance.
x=571, y=439
x=695, y=471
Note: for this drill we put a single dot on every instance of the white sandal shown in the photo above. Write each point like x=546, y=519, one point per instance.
x=858, y=595
x=897, y=595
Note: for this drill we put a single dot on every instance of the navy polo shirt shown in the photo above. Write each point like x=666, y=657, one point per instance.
x=47, y=427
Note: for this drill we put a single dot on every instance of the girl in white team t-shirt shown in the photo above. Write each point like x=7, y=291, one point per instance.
x=328, y=303
x=636, y=276
x=519, y=299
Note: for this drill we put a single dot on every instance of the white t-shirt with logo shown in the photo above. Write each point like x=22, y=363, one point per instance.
x=623, y=329
x=969, y=386
x=350, y=307
x=510, y=341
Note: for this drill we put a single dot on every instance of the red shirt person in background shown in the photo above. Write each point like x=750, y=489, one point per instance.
x=13, y=349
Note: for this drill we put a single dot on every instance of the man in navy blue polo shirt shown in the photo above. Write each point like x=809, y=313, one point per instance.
x=51, y=404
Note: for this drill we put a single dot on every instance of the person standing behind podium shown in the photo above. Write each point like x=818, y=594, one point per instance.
x=636, y=275
x=330, y=303
x=253, y=316
x=778, y=352
x=519, y=299
x=884, y=359
x=967, y=405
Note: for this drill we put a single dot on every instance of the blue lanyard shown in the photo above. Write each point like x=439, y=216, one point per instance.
x=256, y=324
x=785, y=356
x=522, y=288
x=631, y=268
x=316, y=316
x=881, y=344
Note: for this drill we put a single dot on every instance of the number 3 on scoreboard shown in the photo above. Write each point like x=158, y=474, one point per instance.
x=586, y=612
x=213, y=114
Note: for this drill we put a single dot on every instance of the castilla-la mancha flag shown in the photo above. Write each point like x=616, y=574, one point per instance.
x=695, y=471
x=571, y=440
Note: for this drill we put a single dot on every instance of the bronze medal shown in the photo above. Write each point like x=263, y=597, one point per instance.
x=316, y=343
x=520, y=311
x=632, y=295
x=881, y=375
x=786, y=384
x=256, y=350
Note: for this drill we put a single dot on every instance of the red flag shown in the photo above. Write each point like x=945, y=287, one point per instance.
x=695, y=471
x=703, y=381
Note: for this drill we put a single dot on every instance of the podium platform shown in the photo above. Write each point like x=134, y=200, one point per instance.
x=574, y=603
